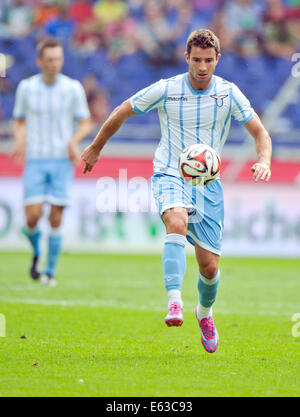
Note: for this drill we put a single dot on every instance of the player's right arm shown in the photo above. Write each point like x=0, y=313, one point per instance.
x=116, y=119
x=19, y=124
x=143, y=101
x=19, y=130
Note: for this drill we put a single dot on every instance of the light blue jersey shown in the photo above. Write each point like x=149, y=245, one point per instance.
x=189, y=116
x=51, y=112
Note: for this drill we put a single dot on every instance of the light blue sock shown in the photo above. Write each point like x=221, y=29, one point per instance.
x=208, y=289
x=174, y=261
x=33, y=235
x=54, y=250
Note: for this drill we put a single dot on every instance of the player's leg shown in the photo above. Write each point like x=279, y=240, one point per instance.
x=208, y=282
x=205, y=229
x=55, y=239
x=173, y=205
x=34, y=180
x=174, y=261
x=33, y=214
x=59, y=196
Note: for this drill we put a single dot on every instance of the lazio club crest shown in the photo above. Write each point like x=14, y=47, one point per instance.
x=219, y=99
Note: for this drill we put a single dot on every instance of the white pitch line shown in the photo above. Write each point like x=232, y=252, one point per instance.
x=78, y=303
x=116, y=304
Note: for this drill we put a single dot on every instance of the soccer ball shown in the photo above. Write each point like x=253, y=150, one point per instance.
x=199, y=164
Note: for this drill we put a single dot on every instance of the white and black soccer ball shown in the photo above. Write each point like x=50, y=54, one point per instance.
x=199, y=164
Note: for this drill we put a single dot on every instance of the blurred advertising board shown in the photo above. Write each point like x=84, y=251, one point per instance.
x=114, y=216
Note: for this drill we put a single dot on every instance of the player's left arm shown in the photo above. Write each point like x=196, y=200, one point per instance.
x=83, y=120
x=262, y=168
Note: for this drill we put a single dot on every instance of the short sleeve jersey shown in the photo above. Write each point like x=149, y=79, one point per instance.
x=189, y=116
x=51, y=112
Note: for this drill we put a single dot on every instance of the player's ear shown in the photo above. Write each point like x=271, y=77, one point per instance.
x=187, y=57
x=218, y=57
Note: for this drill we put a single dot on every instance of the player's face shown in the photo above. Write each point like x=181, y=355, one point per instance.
x=202, y=64
x=51, y=61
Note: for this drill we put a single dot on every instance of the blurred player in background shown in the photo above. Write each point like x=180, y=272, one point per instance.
x=51, y=117
x=195, y=107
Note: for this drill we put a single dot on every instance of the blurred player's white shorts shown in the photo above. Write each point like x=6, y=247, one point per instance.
x=48, y=180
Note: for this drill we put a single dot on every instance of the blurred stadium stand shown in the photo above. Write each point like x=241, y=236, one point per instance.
x=117, y=47
x=107, y=48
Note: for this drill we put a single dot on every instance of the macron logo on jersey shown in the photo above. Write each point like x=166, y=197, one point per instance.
x=219, y=99
x=177, y=99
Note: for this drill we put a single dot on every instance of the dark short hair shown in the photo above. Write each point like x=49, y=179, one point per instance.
x=203, y=38
x=46, y=43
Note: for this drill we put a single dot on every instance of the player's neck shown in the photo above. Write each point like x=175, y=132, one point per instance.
x=49, y=79
x=198, y=85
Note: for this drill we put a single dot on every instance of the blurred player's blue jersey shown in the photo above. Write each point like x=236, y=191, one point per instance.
x=189, y=116
x=51, y=112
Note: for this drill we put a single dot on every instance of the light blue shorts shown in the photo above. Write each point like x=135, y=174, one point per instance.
x=205, y=206
x=48, y=180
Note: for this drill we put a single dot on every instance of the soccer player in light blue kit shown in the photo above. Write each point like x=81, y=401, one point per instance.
x=195, y=107
x=51, y=117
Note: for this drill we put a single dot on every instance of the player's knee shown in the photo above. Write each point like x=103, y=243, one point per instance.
x=32, y=218
x=209, y=269
x=177, y=224
x=55, y=217
x=32, y=222
x=55, y=221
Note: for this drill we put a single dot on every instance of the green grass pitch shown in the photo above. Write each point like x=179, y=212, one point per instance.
x=101, y=331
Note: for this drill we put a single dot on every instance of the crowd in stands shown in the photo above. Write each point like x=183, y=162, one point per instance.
x=158, y=27
x=143, y=40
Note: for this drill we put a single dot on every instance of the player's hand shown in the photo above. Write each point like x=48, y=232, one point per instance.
x=90, y=156
x=74, y=153
x=261, y=172
x=18, y=153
